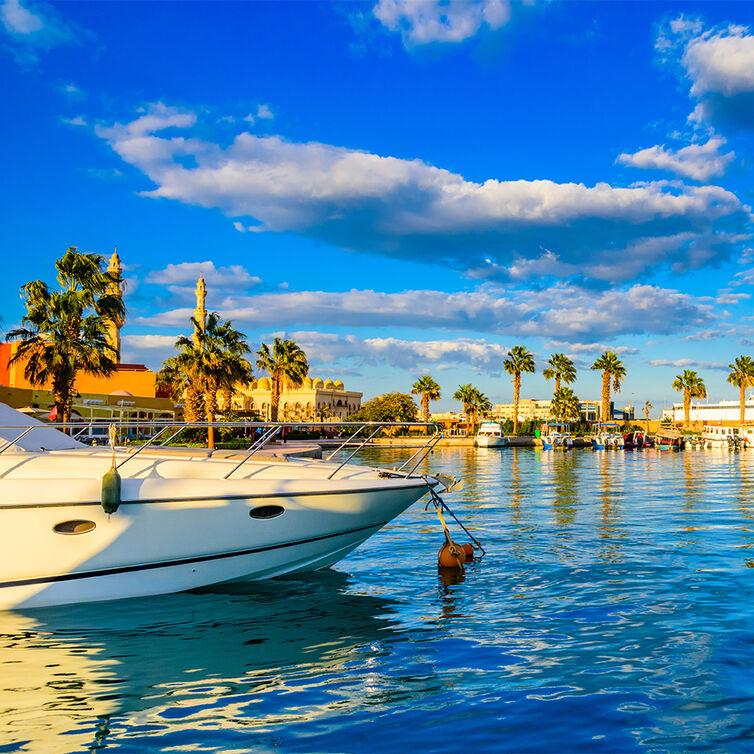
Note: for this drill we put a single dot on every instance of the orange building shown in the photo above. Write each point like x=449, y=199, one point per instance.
x=135, y=379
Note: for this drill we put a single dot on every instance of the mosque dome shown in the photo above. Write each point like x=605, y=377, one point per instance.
x=264, y=383
x=318, y=382
x=329, y=384
x=307, y=384
x=338, y=384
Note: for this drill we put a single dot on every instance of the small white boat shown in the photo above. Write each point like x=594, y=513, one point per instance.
x=715, y=436
x=608, y=437
x=490, y=435
x=187, y=517
x=555, y=436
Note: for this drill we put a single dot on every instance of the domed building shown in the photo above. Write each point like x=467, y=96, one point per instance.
x=314, y=400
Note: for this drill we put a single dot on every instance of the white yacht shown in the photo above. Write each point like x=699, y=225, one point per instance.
x=490, y=435
x=717, y=436
x=186, y=517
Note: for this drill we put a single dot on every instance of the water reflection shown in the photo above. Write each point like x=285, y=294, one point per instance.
x=92, y=671
x=594, y=623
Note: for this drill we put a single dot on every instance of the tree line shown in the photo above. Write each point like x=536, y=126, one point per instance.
x=65, y=331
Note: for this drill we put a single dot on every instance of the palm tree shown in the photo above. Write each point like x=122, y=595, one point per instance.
x=481, y=404
x=692, y=386
x=742, y=374
x=561, y=368
x=179, y=379
x=65, y=331
x=519, y=360
x=429, y=391
x=209, y=361
x=565, y=405
x=647, y=406
x=468, y=396
x=286, y=364
x=612, y=370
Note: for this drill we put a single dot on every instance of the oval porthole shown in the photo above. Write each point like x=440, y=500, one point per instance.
x=77, y=526
x=267, y=511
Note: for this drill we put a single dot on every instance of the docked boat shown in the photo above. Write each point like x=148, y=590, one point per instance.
x=490, y=435
x=636, y=440
x=179, y=518
x=608, y=436
x=555, y=436
x=716, y=436
x=669, y=438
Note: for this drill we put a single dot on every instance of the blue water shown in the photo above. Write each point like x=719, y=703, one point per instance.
x=612, y=612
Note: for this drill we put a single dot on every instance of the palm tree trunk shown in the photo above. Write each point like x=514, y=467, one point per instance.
x=686, y=407
x=210, y=408
x=646, y=420
x=192, y=410
x=605, y=396
x=516, y=391
x=425, y=411
x=557, y=384
x=274, y=398
x=743, y=401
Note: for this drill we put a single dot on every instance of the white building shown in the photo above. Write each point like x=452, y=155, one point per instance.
x=708, y=413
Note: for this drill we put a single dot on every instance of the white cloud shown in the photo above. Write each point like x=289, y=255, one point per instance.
x=563, y=311
x=32, y=28
x=76, y=121
x=72, y=92
x=264, y=112
x=719, y=63
x=576, y=349
x=187, y=273
x=149, y=341
x=687, y=363
x=477, y=354
x=697, y=161
x=409, y=209
x=423, y=21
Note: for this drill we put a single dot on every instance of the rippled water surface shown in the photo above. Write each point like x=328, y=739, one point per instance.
x=612, y=612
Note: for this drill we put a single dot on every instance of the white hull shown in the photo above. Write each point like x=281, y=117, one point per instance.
x=180, y=525
x=491, y=442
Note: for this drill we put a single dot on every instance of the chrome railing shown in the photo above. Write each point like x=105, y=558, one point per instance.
x=149, y=431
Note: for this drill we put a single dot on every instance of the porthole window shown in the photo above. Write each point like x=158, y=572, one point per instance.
x=76, y=526
x=267, y=511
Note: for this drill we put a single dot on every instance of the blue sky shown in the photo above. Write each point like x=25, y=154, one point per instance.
x=402, y=186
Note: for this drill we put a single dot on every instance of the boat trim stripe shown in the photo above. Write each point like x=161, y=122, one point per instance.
x=200, y=498
x=180, y=561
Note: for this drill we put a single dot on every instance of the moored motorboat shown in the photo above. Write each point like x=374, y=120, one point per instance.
x=718, y=436
x=669, y=438
x=635, y=440
x=186, y=517
x=555, y=436
x=490, y=435
x=607, y=436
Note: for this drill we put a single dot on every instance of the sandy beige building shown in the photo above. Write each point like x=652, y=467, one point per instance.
x=315, y=400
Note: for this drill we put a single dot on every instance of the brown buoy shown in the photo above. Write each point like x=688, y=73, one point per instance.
x=451, y=555
x=468, y=551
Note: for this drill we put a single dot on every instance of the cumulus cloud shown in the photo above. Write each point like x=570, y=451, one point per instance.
x=563, y=311
x=687, y=364
x=478, y=354
x=34, y=28
x=697, y=161
x=420, y=22
x=408, y=209
x=577, y=349
x=187, y=273
x=719, y=63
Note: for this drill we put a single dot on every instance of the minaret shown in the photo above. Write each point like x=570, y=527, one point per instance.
x=114, y=289
x=200, y=313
